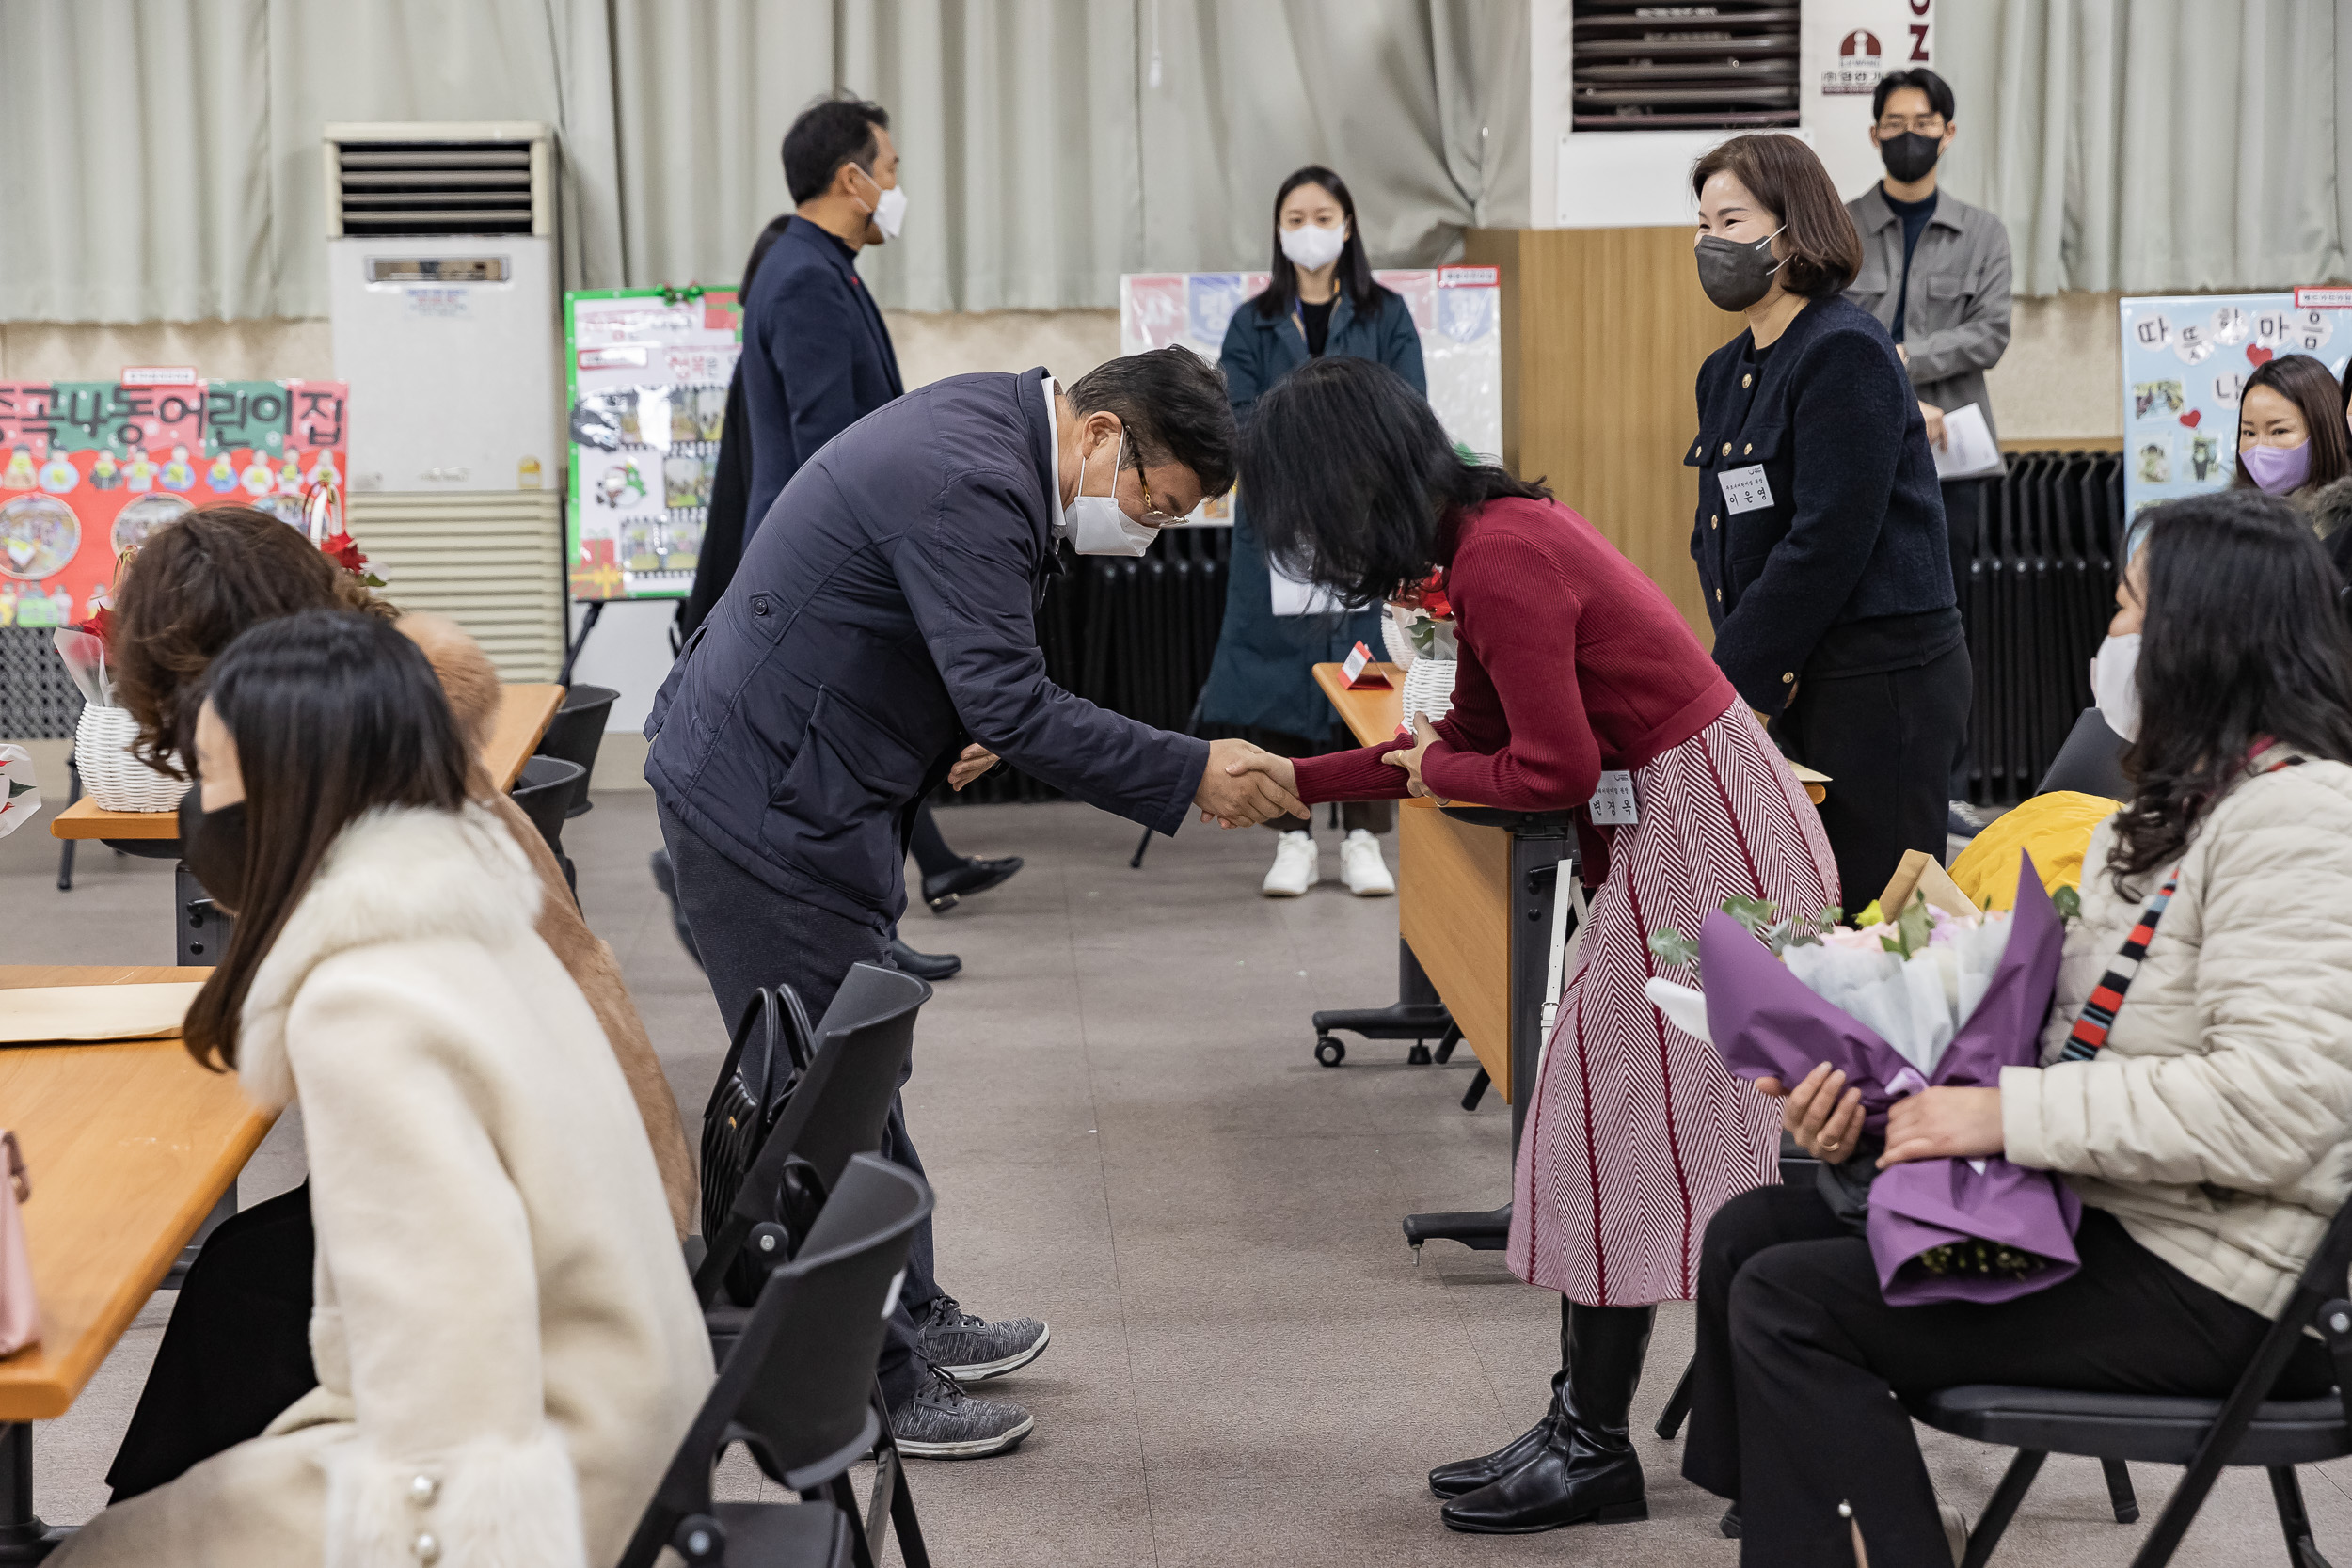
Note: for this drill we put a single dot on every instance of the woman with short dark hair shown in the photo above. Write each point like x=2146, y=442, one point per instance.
x=1820, y=533
x=1573, y=665
x=2207, y=1129
x=1321, y=300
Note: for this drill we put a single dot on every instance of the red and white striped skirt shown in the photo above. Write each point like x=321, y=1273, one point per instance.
x=1636, y=1133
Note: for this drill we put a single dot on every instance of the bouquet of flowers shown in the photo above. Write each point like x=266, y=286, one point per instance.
x=1931, y=997
x=322, y=521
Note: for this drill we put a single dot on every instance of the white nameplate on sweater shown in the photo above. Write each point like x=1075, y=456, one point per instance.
x=1613, y=802
x=1745, y=489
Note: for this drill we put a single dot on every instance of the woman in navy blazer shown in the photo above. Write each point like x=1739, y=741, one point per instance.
x=1820, y=533
x=1321, y=301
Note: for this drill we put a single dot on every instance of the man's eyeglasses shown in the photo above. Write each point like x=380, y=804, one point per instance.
x=1926, y=125
x=1153, y=516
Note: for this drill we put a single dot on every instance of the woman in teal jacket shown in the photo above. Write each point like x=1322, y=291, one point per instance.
x=1322, y=300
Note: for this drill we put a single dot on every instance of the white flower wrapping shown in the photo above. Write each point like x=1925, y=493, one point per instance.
x=1915, y=1005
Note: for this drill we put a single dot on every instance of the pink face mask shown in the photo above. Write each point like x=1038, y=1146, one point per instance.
x=2278, y=469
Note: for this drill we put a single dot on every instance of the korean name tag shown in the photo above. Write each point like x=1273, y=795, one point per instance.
x=1745, y=489
x=1613, y=802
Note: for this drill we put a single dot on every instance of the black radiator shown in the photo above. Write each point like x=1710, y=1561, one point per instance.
x=2038, y=593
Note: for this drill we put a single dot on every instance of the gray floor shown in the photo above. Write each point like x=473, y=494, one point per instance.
x=1130, y=1139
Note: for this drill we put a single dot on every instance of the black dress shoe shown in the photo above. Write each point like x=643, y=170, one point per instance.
x=945, y=890
x=1468, y=1475
x=923, y=966
x=1729, y=1523
x=1585, y=1470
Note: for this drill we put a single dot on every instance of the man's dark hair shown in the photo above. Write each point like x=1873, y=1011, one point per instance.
x=828, y=134
x=1939, y=91
x=1823, y=253
x=1172, y=404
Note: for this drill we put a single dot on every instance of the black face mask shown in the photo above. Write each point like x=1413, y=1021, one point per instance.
x=1734, y=273
x=212, y=843
x=1909, y=156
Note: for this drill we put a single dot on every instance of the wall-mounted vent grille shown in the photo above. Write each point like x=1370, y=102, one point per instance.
x=390, y=182
x=1646, y=67
x=491, y=560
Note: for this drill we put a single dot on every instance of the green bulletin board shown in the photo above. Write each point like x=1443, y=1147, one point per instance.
x=646, y=371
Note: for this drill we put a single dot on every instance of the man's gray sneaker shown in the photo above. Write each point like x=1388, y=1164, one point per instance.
x=972, y=1349
x=945, y=1422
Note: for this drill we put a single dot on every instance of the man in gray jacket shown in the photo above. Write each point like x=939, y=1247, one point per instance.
x=1935, y=274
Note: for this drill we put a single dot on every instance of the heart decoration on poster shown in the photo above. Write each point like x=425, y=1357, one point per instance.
x=2192, y=417
x=2257, y=355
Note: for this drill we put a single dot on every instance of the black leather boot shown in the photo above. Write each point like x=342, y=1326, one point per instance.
x=1586, y=1469
x=1469, y=1475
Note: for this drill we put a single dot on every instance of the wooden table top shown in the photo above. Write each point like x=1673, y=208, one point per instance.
x=523, y=715
x=128, y=1146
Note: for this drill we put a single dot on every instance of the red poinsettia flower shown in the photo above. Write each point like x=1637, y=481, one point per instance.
x=99, y=626
x=1429, y=596
x=343, y=550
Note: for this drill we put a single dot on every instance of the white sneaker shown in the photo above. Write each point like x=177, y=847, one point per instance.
x=1297, y=865
x=1362, y=869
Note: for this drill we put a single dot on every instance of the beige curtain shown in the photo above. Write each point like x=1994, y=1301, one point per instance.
x=164, y=155
x=2153, y=146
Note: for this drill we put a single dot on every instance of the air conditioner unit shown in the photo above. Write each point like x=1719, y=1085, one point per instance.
x=442, y=298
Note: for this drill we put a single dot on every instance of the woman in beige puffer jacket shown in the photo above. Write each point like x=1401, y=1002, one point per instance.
x=2209, y=1135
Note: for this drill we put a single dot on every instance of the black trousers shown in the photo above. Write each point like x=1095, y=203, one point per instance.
x=1888, y=742
x=931, y=854
x=749, y=935
x=1965, y=504
x=1798, y=1351
x=237, y=1351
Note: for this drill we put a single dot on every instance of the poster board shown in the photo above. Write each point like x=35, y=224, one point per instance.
x=646, y=375
x=2185, y=360
x=89, y=468
x=1457, y=310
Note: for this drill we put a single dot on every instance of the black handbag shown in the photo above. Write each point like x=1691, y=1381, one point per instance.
x=754, y=1083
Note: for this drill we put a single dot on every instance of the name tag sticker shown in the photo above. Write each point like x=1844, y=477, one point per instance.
x=1358, y=671
x=1613, y=802
x=1745, y=489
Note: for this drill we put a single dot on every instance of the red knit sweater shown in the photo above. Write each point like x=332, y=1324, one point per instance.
x=1571, y=661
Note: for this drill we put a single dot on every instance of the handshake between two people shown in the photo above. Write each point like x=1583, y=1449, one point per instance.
x=1241, y=786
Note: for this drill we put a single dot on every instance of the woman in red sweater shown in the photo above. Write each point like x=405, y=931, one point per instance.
x=1572, y=663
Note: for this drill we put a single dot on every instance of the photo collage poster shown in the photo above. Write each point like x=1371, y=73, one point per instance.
x=647, y=373
x=88, y=469
x=1457, y=310
x=2185, y=360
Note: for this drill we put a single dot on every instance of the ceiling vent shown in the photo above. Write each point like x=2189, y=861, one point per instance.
x=1640, y=66
x=393, y=181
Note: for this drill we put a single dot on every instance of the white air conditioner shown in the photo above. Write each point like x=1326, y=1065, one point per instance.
x=443, y=300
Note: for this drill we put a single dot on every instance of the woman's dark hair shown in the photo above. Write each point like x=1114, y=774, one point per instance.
x=829, y=132
x=2304, y=381
x=1822, y=251
x=1172, y=403
x=334, y=715
x=1353, y=273
x=2243, y=639
x=1352, y=484
x=196, y=583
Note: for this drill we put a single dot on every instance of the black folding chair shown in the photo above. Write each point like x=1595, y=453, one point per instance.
x=544, y=790
x=575, y=733
x=2246, y=1428
x=2090, y=761
x=838, y=1111
x=797, y=1392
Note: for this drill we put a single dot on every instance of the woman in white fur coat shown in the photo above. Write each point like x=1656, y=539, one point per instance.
x=507, y=1344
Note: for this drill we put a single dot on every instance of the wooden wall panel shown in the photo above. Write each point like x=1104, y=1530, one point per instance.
x=1604, y=330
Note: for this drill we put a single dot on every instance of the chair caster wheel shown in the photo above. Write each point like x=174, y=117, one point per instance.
x=1418, y=1057
x=1329, y=1052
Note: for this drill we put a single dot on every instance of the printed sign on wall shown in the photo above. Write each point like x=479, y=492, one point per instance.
x=648, y=369
x=88, y=468
x=1845, y=47
x=2185, y=360
x=1457, y=310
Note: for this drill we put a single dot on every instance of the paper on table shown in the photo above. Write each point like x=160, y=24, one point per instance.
x=1297, y=596
x=36, y=1015
x=1969, y=451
